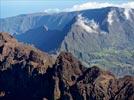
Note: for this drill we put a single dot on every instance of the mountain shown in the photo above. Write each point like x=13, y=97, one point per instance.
x=27, y=73
x=14, y=53
x=42, y=38
x=22, y=23
x=102, y=37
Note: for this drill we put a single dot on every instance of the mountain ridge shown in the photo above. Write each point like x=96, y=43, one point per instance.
x=24, y=76
x=104, y=36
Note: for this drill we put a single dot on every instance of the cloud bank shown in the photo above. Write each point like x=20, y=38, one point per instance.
x=91, y=5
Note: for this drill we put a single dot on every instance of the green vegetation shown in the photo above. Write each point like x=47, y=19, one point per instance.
x=112, y=59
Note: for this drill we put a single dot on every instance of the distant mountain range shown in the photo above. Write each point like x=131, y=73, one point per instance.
x=26, y=73
x=103, y=37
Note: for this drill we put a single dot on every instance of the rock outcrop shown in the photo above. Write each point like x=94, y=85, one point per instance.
x=103, y=37
x=26, y=73
x=21, y=68
x=13, y=52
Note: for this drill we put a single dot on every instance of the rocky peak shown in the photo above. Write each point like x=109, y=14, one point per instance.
x=28, y=73
x=13, y=52
x=5, y=37
x=69, y=66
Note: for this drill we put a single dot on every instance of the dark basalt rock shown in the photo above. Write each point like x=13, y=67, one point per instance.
x=29, y=74
x=22, y=70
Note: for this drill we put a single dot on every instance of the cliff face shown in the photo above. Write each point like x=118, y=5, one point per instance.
x=27, y=73
x=13, y=52
x=103, y=37
x=82, y=83
x=20, y=67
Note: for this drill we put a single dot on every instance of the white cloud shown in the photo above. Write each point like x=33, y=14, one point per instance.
x=127, y=5
x=88, y=25
x=127, y=13
x=91, y=5
x=110, y=17
x=56, y=10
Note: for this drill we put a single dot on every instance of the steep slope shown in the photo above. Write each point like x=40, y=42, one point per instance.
x=102, y=37
x=12, y=52
x=43, y=38
x=27, y=73
x=112, y=46
x=22, y=23
x=21, y=69
x=77, y=82
x=118, y=32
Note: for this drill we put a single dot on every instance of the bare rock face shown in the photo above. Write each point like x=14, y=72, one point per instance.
x=79, y=83
x=20, y=67
x=94, y=84
x=125, y=88
x=26, y=73
x=68, y=67
x=13, y=52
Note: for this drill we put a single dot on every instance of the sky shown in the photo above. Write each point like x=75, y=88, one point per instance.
x=10, y=8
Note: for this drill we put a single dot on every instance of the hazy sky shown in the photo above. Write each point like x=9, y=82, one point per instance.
x=15, y=7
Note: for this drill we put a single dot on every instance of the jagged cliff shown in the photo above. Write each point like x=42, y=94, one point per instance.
x=26, y=73
x=102, y=37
